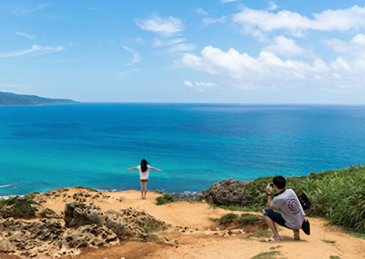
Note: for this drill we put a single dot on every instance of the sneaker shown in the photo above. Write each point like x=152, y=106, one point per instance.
x=296, y=235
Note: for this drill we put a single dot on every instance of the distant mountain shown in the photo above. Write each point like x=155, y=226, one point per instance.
x=10, y=99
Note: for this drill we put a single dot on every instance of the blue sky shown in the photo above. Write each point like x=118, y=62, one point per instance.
x=224, y=51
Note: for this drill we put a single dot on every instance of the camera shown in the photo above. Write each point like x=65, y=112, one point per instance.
x=271, y=184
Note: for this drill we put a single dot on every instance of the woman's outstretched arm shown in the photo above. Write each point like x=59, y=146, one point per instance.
x=158, y=170
x=131, y=169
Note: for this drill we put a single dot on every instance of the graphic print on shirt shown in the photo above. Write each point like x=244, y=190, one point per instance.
x=293, y=205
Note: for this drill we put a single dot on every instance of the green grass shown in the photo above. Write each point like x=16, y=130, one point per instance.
x=335, y=257
x=274, y=247
x=228, y=218
x=48, y=213
x=150, y=227
x=164, y=199
x=16, y=206
x=337, y=195
x=260, y=233
x=237, y=208
x=329, y=241
x=157, y=192
x=267, y=255
x=358, y=235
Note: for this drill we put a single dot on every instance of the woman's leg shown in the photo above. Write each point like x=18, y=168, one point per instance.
x=145, y=189
x=142, y=188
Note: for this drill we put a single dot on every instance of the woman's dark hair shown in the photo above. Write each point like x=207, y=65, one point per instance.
x=279, y=181
x=144, y=165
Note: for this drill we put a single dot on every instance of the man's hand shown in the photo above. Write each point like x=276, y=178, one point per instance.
x=269, y=188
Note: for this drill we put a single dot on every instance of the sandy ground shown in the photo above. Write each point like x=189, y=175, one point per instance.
x=199, y=245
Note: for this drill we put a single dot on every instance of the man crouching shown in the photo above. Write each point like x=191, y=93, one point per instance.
x=291, y=213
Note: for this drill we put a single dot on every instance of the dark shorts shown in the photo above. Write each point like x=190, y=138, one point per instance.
x=143, y=180
x=275, y=216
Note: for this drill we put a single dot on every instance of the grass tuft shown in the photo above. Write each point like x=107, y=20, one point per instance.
x=228, y=218
x=267, y=255
x=166, y=198
x=260, y=233
x=329, y=241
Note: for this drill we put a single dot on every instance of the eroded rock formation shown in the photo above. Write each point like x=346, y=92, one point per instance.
x=228, y=192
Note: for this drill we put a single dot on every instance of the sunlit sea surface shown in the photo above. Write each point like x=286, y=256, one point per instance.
x=195, y=145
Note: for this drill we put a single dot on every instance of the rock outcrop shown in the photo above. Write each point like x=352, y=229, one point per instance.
x=126, y=223
x=228, y=192
x=85, y=226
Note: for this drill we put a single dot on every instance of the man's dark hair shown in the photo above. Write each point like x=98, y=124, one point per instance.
x=279, y=181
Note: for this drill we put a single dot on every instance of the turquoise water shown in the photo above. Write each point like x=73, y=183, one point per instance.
x=195, y=145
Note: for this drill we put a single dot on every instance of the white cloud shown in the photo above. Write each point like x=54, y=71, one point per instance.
x=200, y=86
x=201, y=11
x=183, y=47
x=270, y=72
x=272, y=6
x=264, y=21
x=228, y=1
x=355, y=47
x=92, y=9
x=24, y=35
x=136, y=56
x=35, y=48
x=158, y=42
x=165, y=27
x=207, y=84
x=139, y=40
x=208, y=21
x=188, y=83
x=284, y=46
x=38, y=7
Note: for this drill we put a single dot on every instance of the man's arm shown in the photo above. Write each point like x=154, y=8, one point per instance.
x=269, y=199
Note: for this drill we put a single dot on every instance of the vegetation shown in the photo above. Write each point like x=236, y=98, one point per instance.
x=260, y=233
x=228, y=218
x=334, y=257
x=17, y=206
x=254, y=220
x=15, y=99
x=150, y=227
x=274, y=247
x=267, y=255
x=358, y=235
x=48, y=213
x=336, y=195
x=329, y=241
x=166, y=198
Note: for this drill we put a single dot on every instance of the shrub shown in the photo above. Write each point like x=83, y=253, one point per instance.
x=166, y=198
x=228, y=218
x=150, y=227
x=16, y=206
x=266, y=255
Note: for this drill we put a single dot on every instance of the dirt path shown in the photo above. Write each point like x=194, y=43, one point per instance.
x=199, y=215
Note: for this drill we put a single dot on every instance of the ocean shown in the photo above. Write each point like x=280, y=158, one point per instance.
x=195, y=145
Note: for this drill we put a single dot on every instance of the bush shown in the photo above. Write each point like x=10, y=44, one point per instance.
x=228, y=218
x=150, y=227
x=17, y=206
x=166, y=198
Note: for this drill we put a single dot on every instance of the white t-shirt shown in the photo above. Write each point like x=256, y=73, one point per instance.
x=290, y=209
x=144, y=175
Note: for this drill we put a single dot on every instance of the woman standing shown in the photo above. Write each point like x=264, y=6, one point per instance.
x=144, y=169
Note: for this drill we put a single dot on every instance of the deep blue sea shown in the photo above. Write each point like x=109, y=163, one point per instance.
x=195, y=145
